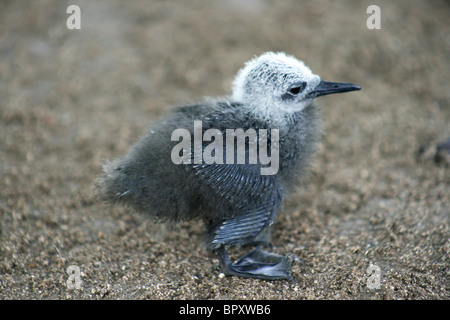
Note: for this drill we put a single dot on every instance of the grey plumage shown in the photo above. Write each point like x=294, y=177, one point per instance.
x=238, y=203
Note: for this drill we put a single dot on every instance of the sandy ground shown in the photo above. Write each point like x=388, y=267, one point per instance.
x=69, y=99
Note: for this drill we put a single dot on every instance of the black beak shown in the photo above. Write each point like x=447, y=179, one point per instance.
x=326, y=87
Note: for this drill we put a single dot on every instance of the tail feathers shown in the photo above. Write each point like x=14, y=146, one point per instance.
x=124, y=183
x=111, y=186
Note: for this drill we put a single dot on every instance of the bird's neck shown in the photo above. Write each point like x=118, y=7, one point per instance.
x=299, y=135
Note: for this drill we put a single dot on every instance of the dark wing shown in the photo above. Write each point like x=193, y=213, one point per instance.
x=252, y=197
x=247, y=200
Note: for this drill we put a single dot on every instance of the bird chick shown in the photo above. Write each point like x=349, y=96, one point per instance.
x=207, y=161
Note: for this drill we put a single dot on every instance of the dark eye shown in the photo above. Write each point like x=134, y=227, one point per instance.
x=297, y=88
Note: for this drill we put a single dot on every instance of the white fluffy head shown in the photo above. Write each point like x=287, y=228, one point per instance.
x=274, y=84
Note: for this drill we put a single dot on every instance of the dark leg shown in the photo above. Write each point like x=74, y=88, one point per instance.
x=257, y=264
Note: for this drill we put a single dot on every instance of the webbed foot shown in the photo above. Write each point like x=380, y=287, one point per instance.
x=258, y=264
